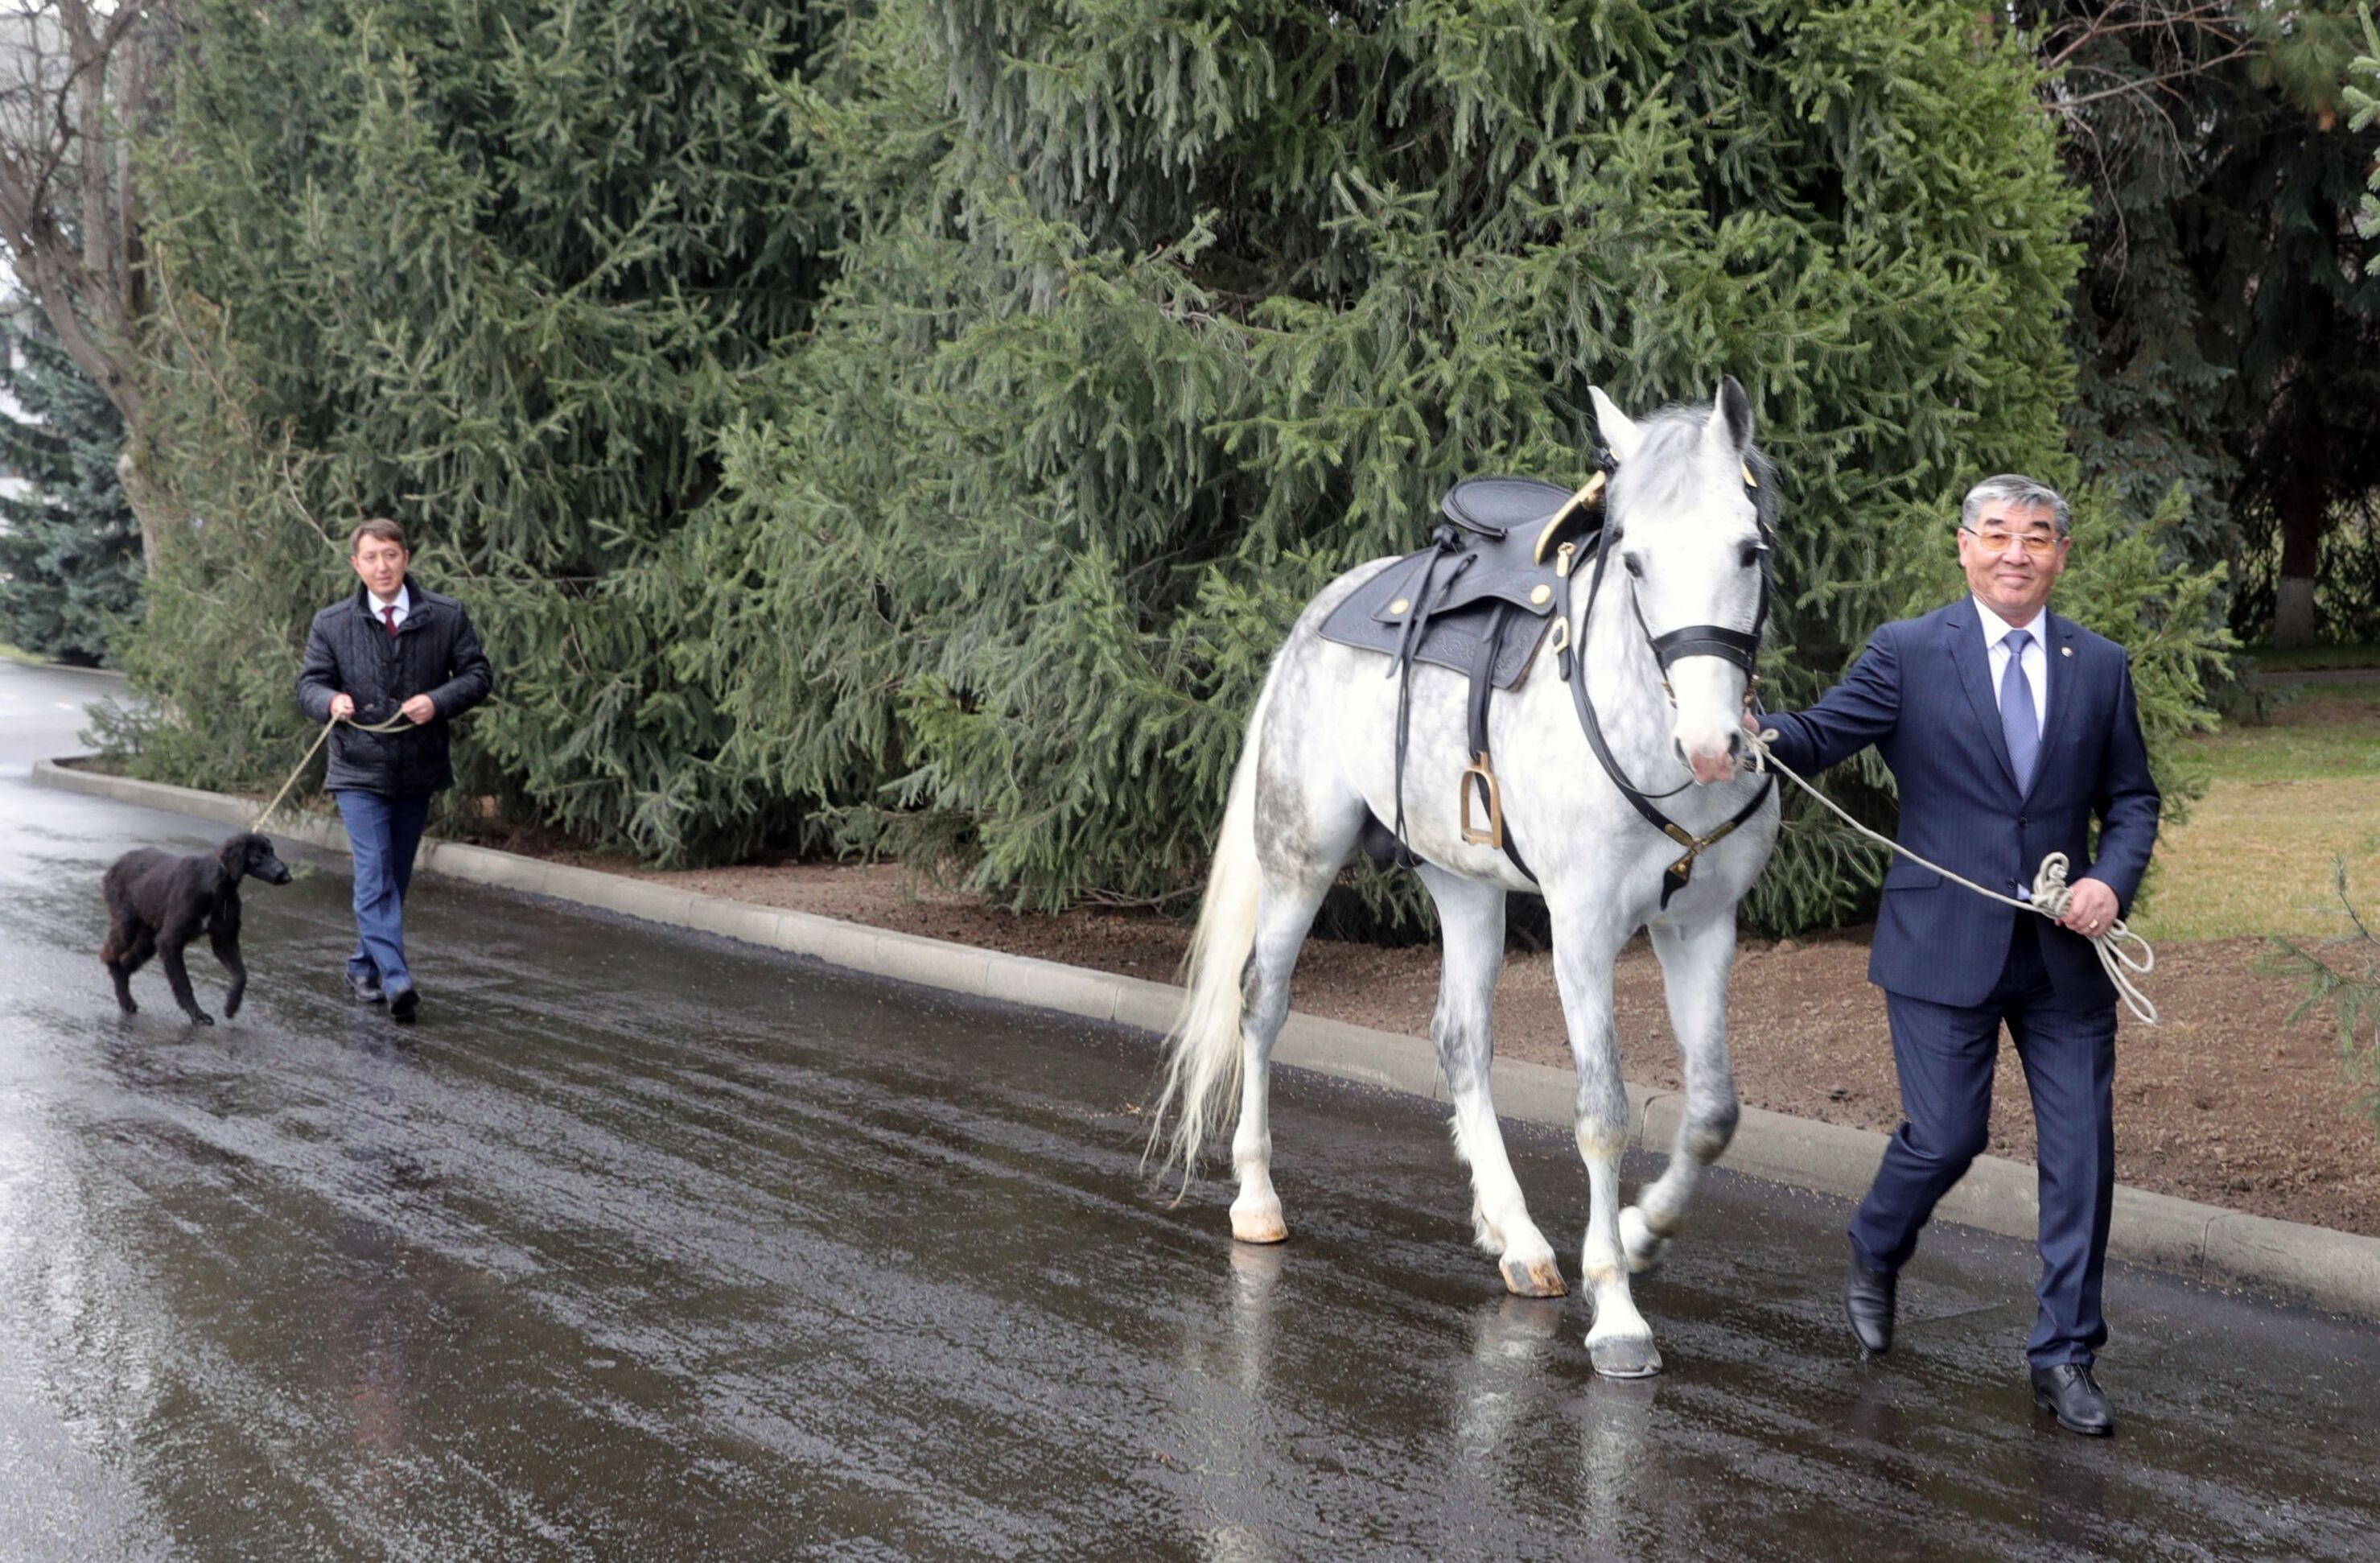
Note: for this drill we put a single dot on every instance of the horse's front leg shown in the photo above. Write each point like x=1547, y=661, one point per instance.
x=1619, y=1343
x=1695, y=964
x=1471, y=922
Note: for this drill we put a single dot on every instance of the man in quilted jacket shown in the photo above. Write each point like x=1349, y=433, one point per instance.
x=393, y=652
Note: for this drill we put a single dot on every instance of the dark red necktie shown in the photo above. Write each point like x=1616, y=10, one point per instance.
x=388, y=614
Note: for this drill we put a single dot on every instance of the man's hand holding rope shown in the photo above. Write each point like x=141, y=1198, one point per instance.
x=2091, y=911
x=343, y=709
x=2086, y=906
x=418, y=711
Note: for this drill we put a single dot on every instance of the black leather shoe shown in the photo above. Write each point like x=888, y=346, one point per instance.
x=366, y=989
x=2068, y=1392
x=401, y=1003
x=1868, y=1304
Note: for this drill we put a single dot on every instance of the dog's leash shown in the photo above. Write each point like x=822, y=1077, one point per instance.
x=2050, y=892
x=396, y=724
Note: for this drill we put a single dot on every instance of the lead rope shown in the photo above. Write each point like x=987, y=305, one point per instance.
x=2050, y=892
x=393, y=724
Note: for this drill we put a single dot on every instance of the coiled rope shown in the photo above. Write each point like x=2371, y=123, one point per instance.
x=393, y=724
x=2051, y=895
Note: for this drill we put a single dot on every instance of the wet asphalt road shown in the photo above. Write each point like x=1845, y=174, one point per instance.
x=644, y=1246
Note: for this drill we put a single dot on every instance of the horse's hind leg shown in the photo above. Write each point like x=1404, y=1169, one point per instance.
x=1470, y=919
x=1695, y=962
x=1292, y=894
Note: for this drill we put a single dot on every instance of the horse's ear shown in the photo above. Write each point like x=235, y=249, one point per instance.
x=1731, y=418
x=1621, y=436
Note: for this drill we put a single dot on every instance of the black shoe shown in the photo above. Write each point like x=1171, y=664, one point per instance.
x=366, y=989
x=2068, y=1391
x=401, y=1003
x=1868, y=1304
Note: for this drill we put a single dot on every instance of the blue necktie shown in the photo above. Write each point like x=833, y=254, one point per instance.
x=2017, y=719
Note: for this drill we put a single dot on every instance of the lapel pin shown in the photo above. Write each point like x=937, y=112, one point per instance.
x=2065, y=651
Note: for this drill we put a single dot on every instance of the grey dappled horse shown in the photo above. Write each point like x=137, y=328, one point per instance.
x=1688, y=528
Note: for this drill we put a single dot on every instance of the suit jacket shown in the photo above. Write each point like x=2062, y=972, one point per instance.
x=1921, y=693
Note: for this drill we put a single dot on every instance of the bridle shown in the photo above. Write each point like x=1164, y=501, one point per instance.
x=1741, y=647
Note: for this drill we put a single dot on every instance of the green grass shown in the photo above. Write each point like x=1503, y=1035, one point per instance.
x=2267, y=659
x=2286, y=796
x=2327, y=729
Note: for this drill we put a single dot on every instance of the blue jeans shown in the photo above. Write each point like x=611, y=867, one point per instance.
x=384, y=832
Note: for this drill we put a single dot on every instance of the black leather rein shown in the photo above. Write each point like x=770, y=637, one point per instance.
x=1738, y=646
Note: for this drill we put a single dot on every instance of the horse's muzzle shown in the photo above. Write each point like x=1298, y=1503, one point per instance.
x=1713, y=765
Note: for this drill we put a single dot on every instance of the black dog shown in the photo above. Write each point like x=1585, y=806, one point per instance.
x=157, y=903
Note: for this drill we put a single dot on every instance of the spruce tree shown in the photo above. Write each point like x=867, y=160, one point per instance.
x=1155, y=317
x=500, y=271
x=2229, y=323
x=1146, y=320
x=70, y=546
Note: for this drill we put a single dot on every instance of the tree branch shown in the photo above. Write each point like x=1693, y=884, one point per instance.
x=2145, y=83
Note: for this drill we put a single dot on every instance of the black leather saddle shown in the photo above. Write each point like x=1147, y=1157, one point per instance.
x=1480, y=600
x=1498, y=548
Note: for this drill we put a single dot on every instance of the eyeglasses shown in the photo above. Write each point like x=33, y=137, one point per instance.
x=2037, y=546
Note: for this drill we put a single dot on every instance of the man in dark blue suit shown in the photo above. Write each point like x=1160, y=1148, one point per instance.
x=2007, y=729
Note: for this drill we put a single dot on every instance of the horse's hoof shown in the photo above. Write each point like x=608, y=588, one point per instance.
x=1259, y=1223
x=1624, y=1356
x=1645, y=1251
x=201, y=1018
x=1534, y=1277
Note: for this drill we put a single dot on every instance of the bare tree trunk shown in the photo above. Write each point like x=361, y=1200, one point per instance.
x=152, y=503
x=2304, y=506
x=74, y=89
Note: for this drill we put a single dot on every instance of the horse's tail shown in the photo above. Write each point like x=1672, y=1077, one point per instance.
x=1202, y=1050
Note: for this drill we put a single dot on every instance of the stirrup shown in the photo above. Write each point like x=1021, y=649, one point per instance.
x=1494, y=835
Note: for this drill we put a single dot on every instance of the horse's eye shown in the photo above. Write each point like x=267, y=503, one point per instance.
x=1633, y=564
x=1749, y=555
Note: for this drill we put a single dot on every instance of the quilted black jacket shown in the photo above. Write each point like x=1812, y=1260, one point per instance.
x=432, y=653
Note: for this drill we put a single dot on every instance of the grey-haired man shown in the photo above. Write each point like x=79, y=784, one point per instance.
x=2009, y=729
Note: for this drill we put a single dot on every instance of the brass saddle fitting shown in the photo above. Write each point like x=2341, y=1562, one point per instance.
x=1587, y=495
x=1493, y=835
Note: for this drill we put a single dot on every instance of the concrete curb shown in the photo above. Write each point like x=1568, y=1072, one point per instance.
x=2335, y=1270
x=69, y=667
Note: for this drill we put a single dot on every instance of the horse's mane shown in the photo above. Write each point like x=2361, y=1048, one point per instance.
x=1670, y=435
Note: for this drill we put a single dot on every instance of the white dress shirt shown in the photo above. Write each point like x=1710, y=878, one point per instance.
x=2037, y=658
x=403, y=603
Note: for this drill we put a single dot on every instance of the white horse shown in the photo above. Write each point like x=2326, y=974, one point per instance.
x=1687, y=510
